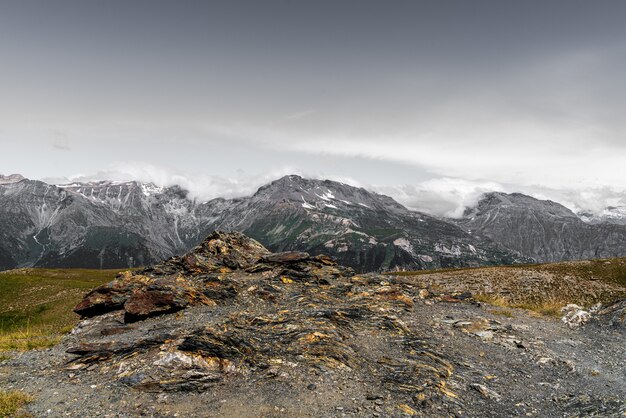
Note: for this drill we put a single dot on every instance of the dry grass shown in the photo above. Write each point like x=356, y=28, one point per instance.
x=605, y=269
x=28, y=341
x=548, y=307
x=12, y=401
x=501, y=312
x=540, y=288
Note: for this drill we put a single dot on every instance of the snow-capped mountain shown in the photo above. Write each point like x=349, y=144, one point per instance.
x=365, y=230
x=113, y=224
x=123, y=224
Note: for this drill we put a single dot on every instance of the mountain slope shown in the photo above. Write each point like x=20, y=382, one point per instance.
x=543, y=230
x=111, y=224
x=364, y=230
x=45, y=225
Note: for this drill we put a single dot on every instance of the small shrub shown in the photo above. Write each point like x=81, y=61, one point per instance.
x=12, y=401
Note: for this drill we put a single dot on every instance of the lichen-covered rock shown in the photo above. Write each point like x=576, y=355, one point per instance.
x=173, y=285
x=111, y=296
x=220, y=333
x=220, y=250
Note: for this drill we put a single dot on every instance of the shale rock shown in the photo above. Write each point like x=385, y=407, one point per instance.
x=242, y=311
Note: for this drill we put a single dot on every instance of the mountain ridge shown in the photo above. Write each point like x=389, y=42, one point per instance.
x=110, y=224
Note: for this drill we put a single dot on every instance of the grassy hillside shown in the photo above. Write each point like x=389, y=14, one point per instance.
x=544, y=288
x=36, y=304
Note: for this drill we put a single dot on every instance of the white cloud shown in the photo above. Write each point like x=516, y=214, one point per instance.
x=440, y=197
x=200, y=186
x=449, y=197
x=445, y=196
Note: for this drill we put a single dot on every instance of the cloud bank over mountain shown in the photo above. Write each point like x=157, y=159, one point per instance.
x=444, y=196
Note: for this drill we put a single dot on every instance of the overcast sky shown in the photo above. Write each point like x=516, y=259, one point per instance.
x=432, y=102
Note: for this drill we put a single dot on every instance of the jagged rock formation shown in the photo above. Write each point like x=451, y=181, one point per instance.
x=257, y=315
x=542, y=229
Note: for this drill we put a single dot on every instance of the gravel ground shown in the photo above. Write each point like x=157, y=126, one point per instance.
x=517, y=366
x=233, y=331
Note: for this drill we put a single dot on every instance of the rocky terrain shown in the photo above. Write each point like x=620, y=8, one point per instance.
x=231, y=329
x=541, y=229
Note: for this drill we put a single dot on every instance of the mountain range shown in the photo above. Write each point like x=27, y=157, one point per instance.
x=110, y=224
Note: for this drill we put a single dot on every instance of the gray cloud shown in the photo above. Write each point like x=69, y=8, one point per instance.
x=435, y=100
x=444, y=197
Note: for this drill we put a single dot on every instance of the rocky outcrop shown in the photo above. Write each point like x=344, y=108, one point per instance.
x=614, y=315
x=167, y=287
x=247, y=312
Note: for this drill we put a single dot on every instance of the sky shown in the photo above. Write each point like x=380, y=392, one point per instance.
x=431, y=102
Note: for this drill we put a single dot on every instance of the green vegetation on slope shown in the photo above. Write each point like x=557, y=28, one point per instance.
x=36, y=304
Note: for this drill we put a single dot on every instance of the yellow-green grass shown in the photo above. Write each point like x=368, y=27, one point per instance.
x=548, y=307
x=585, y=272
x=36, y=304
x=12, y=401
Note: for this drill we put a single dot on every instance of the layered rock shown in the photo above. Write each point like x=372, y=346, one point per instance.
x=231, y=329
x=231, y=308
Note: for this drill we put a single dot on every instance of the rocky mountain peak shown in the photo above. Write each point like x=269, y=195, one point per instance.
x=320, y=194
x=219, y=250
x=11, y=178
x=518, y=201
x=544, y=230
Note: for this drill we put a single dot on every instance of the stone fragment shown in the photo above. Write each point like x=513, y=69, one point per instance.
x=486, y=392
x=286, y=257
x=574, y=315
